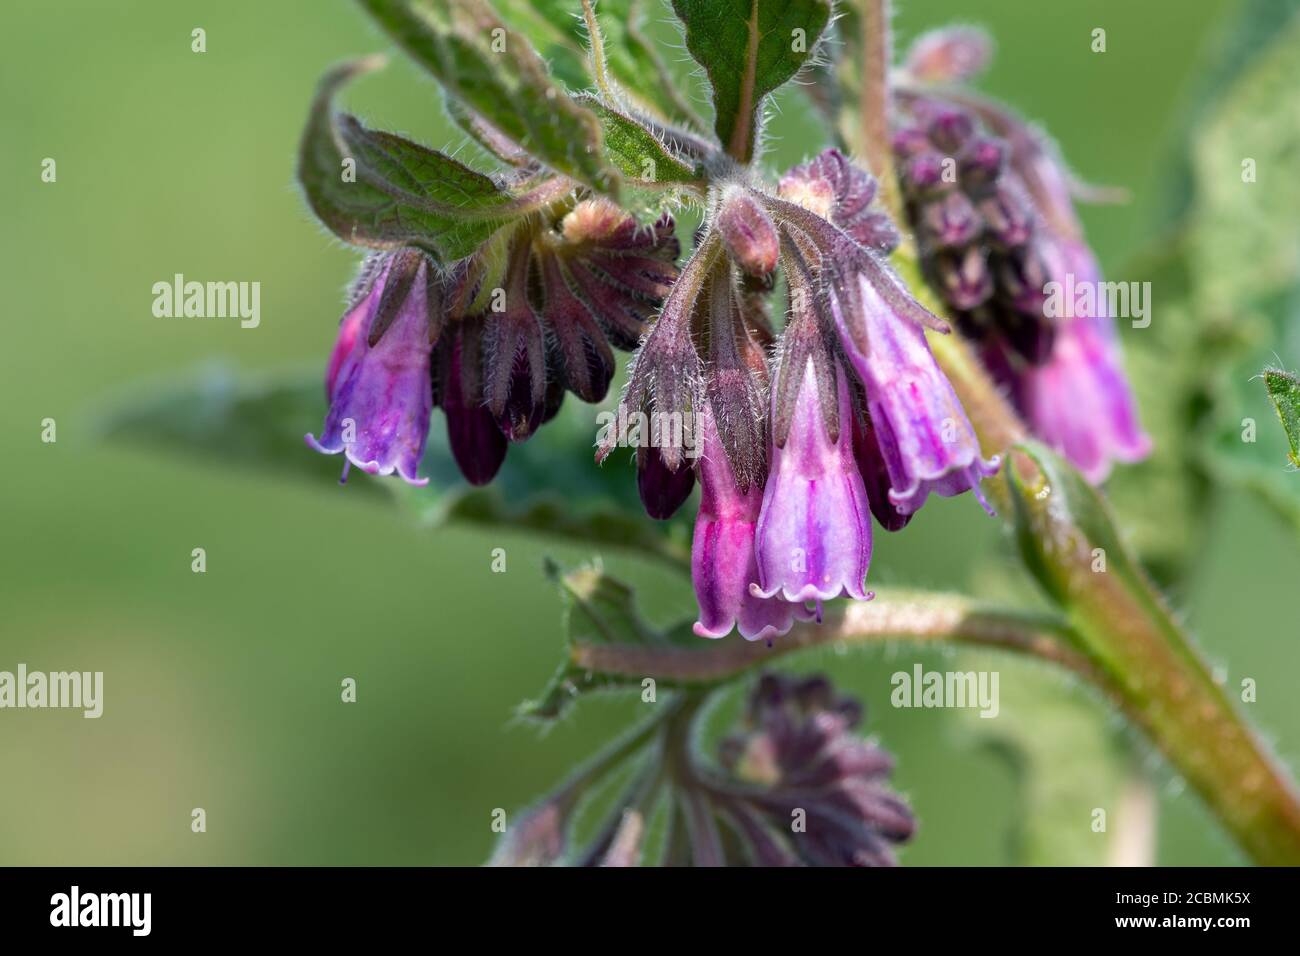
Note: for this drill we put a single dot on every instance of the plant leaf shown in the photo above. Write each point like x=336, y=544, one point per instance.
x=749, y=48
x=637, y=152
x=494, y=71
x=1067, y=756
x=399, y=193
x=1248, y=200
x=1284, y=390
x=548, y=485
x=558, y=30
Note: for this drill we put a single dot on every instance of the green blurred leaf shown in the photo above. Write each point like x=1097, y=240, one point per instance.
x=1246, y=243
x=549, y=485
x=1062, y=745
x=1251, y=453
x=1284, y=390
x=749, y=48
x=493, y=70
x=401, y=194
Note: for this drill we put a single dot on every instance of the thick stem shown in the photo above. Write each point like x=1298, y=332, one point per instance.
x=1125, y=628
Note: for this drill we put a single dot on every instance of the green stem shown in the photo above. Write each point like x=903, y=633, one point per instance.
x=893, y=615
x=1128, y=632
x=874, y=100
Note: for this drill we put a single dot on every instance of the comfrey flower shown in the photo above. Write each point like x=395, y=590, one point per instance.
x=796, y=757
x=925, y=441
x=793, y=784
x=724, y=561
x=990, y=202
x=379, y=394
x=845, y=414
x=495, y=340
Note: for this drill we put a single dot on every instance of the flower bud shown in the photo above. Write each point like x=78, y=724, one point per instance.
x=748, y=233
x=950, y=221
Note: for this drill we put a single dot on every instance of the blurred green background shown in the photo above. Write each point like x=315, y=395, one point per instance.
x=222, y=689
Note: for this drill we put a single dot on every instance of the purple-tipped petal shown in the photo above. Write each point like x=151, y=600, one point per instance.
x=381, y=397
x=1079, y=402
x=814, y=534
x=926, y=439
x=723, y=564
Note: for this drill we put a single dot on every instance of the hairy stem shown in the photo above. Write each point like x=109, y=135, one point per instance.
x=893, y=615
x=874, y=98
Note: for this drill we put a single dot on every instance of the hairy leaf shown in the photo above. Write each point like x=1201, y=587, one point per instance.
x=1284, y=390
x=749, y=48
x=635, y=150
x=494, y=71
x=378, y=190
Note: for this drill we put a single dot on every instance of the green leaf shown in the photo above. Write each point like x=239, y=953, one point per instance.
x=494, y=71
x=1250, y=452
x=749, y=48
x=635, y=150
x=635, y=62
x=1066, y=754
x=379, y=190
x=553, y=29
x=558, y=30
x=1284, y=390
x=549, y=485
x=1247, y=196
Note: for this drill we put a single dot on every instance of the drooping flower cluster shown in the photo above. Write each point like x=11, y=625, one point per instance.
x=990, y=204
x=793, y=785
x=802, y=787
x=495, y=340
x=848, y=414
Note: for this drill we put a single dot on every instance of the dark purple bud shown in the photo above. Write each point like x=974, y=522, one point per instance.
x=476, y=442
x=1008, y=216
x=910, y=141
x=584, y=358
x=949, y=129
x=514, y=357
x=964, y=278
x=950, y=221
x=981, y=162
x=928, y=173
x=662, y=491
